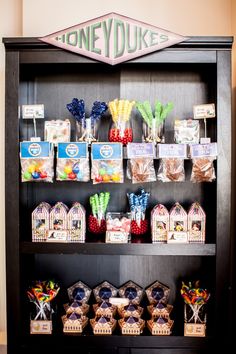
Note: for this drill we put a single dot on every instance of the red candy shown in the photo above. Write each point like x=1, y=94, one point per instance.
x=94, y=226
x=72, y=175
x=127, y=137
x=139, y=230
x=43, y=175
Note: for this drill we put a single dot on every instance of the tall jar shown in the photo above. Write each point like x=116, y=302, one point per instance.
x=153, y=133
x=121, y=132
x=86, y=131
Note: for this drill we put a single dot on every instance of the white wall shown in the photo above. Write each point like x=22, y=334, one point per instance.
x=187, y=17
x=41, y=17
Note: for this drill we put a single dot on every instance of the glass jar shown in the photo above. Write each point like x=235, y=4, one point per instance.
x=121, y=132
x=87, y=131
x=195, y=313
x=153, y=134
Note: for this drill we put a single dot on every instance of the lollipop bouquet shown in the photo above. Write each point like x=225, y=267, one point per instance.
x=41, y=294
x=121, y=130
x=153, y=127
x=195, y=299
x=86, y=128
x=138, y=205
x=97, y=221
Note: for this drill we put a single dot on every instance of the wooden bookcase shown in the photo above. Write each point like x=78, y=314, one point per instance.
x=193, y=72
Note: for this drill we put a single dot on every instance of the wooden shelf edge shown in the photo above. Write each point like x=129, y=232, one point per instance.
x=119, y=249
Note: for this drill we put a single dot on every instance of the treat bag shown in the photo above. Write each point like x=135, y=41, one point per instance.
x=121, y=129
x=36, y=161
x=72, y=162
x=186, y=131
x=107, y=163
x=203, y=169
x=56, y=131
x=141, y=170
x=171, y=170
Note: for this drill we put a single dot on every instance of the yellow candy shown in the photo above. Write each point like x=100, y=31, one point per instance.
x=31, y=168
x=67, y=169
x=106, y=178
x=115, y=178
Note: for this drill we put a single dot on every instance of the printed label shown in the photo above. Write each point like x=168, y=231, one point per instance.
x=57, y=236
x=116, y=237
x=140, y=150
x=40, y=327
x=203, y=150
x=118, y=301
x=108, y=151
x=194, y=330
x=31, y=111
x=203, y=111
x=72, y=150
x=32, y=150
x=177, y=237
x=172, y=150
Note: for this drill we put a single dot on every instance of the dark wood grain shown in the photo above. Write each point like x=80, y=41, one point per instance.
x=193, y=72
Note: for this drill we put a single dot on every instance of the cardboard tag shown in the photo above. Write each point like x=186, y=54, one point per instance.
x=119, y=301
x=194, y=330
x=57, y=236
x=40, y=327
x=172, y=151
x=177, y=237
x=116, y=237
x=107, y=151
x=32, y=150
x=35, y=139
x=203, y=150
x=72, y=150
x=33, y=111
x=203, y=111
x=205, y=140
x=136, y=150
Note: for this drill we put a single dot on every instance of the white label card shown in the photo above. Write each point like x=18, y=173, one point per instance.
x=203, y=150
x=119, y=301
x=40, y=327
x=57, y=236
x=116, y=237
x=31, y=111
x=172, y=151
x=203, y=111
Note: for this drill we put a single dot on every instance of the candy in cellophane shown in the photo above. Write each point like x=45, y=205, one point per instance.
x=72, y=162
x=121, y=130
x=203, y=156
x=186, y=131
x=171, y=170
x=57, y=131
x=107, y=163
x=36, y=161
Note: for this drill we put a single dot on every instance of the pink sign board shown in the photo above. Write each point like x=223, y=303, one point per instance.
x=113, y=38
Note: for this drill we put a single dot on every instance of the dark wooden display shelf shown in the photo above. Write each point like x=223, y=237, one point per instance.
x=144, y=249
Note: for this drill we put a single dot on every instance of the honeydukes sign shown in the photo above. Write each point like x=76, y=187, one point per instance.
x=113, y=38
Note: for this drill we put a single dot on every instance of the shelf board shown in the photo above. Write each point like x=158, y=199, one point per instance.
x=145, y=249
x=142, y=341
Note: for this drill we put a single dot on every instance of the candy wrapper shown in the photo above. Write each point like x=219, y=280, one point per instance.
x=86, y=127
x=41, y=294
x=138, y=205
x=121, y=130
x=171, y=170
x=140, y=163
x=203, y=156
x=195, y=299
x=72, y=162
x=98, y=203
x=118, y=227
x=57, y=131
x=107, y=163
x=153, y=128
x=36, y=161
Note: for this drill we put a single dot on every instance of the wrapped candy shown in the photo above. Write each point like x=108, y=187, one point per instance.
x=138, y=205
x=86, y=128
x=41, y=293
x=36, y=161
x=72, y=162
x=98, y=203
x=153, y=128
x=121, y=130
x=56, y=131
x=107, y=163
x=195, y=299
x=171, y=170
